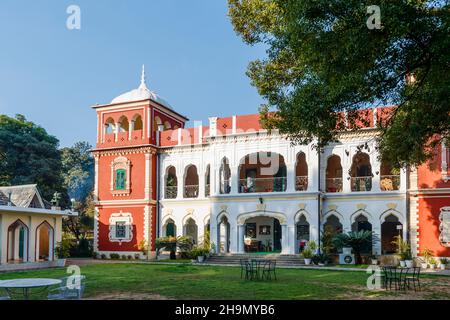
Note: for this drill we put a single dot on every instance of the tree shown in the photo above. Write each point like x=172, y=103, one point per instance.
x=322, y=59
x=78, y=180
x=29, y=155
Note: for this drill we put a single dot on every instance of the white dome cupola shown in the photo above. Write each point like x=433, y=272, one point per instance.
x=141, y=93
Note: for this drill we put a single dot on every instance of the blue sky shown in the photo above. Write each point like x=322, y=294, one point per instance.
x=53, y=75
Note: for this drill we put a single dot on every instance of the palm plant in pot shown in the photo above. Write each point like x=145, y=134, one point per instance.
x=171, y=244
x=357, y=240
x=403, y=250
x=444, y=262
x=427, y=255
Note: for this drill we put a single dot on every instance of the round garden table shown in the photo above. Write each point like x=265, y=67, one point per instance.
x=27, y=284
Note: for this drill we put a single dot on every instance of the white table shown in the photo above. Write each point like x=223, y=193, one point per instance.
x=27, y=284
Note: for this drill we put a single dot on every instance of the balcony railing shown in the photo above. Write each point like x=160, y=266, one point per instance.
x=207, y=190
x=390, y=182
x=334, y=184
x=251, y=185
x=171, y=192
x=225, y=187
x=361, y=183
x=191, y=191
x=301, y=183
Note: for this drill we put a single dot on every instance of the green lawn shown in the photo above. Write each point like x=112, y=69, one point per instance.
x=205, y=282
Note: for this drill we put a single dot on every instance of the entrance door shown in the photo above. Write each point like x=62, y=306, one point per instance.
x=21, y=242
x=276, y=235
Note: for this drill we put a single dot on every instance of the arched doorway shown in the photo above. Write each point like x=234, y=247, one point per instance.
x=333, y=223
x=303, y=233
x=262, y=234
x=334, y=174
x=331, y=227
x=301, y=173
x=44, y=242
x=224, y=235
x=191, y=182
x=170, y=229
x=224, y=176
x=190, y=229
x=18, y=239
x=390, y=228
x=361, y=223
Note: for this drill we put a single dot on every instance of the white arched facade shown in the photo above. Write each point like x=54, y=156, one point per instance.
x=314, y=203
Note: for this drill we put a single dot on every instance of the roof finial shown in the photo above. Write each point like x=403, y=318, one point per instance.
x=143, y=84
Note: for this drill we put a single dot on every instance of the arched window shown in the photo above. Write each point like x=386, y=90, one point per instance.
x=191, y=182
x=124, y=126
x=301, y=173
x=167, y=125
x=156, y=123
x=109, y=126
x=120, y=176
x=389, y=177
x=262, y=172
x=138, y=125
x=390, y=228
x=334, y=174
x=208, y=181
x=362, y=224
x=171, y=183
x=170, y=228
x=225, y=175
x=361, y=172
x=191, y=230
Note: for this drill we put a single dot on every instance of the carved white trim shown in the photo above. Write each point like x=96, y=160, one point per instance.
x=444, y=226
x=445, y=162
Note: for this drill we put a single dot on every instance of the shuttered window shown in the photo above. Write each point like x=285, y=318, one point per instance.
x=120, y=179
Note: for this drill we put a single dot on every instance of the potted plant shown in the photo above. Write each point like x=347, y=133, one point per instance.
x=62, y=251
x=354, y=241
x=432, y=263
x=444, y=262
x=427, y=254
x=307, y=254
x=407, y=255
x=321, y=259
x=373, y=258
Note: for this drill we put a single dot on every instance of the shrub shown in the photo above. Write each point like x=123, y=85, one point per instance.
x=103, y=256
x=129, y=257
x=123, y=257
x=307, y=253
x=137, y=256
x=114, y=256
x=321, y=258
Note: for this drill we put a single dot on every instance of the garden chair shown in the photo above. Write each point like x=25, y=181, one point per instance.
x=414, y=278
x=3, y=298
x=244, y=267
x=390, y=276
x=253, y=270
x=64, y=292
x=269, y=269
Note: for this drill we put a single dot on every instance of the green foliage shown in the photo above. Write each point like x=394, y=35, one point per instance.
x=197, y=252
x=322, y=59
x=114, y=256
x=308, y=251
x=403, y=248
x=357, y=240
x=427, y=254
x=326, y=241
x=321, y=258
x=29, y=155
x=184, y=244
x=62, y=249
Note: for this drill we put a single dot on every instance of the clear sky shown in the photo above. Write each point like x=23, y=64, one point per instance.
x=53, y=75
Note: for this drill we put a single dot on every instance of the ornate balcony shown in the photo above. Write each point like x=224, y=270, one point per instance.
x=390, y=182
x=171, y=192
x=191, y=191
x=252, y=185
x=361, y=183
x=301, y=183
x=334, y=184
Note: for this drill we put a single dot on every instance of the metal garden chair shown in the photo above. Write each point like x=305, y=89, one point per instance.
x=414, y=278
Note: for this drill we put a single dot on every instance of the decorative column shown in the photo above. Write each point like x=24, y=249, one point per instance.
x=376, y=167
x=131, y=129
x=241, y=233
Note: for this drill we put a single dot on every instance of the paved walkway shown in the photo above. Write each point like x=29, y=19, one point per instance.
x=86, y=261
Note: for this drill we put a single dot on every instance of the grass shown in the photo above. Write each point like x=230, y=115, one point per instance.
x=187, y=281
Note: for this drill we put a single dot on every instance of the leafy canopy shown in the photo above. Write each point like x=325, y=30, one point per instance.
x=323, y=59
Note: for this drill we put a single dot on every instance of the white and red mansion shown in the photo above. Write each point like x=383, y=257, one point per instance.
x=250, y=189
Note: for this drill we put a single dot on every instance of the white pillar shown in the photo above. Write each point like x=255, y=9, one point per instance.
x=241, y=231
x=234, y=180
x=284, y=239
x=233, y=238
x=292, y=239
x=376, y=167
x=130, y=130
x=291, y=177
